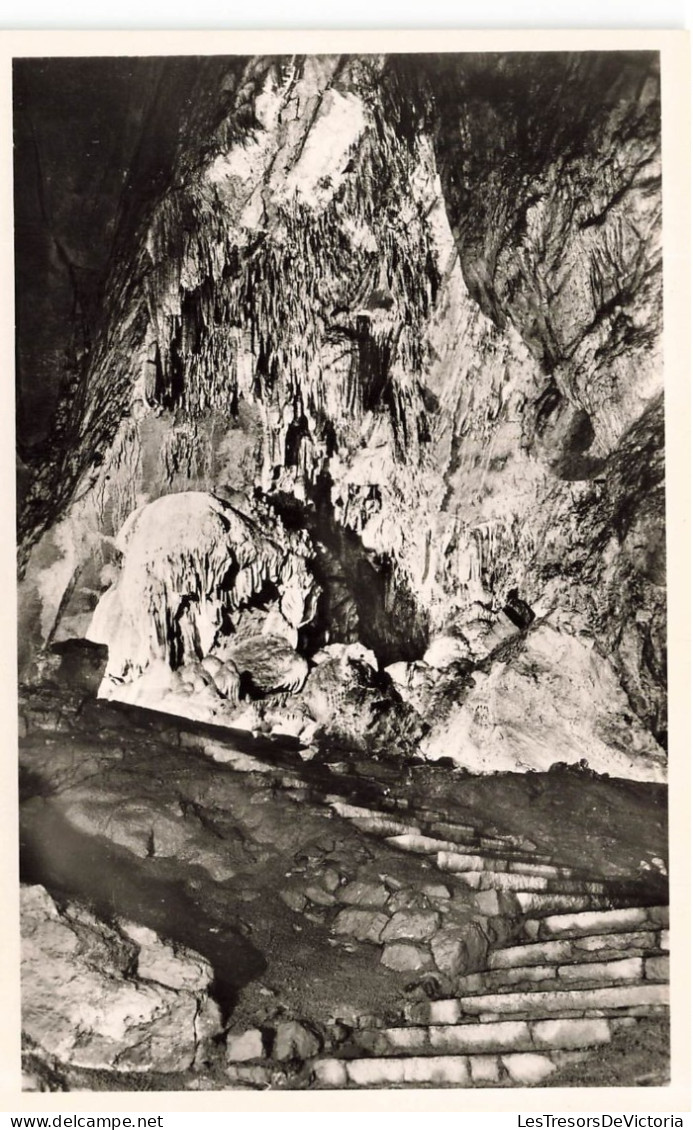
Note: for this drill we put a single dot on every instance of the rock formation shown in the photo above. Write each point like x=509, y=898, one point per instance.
x=376, y=360
x=196, y=577
x=340, y=421
x=96, y=996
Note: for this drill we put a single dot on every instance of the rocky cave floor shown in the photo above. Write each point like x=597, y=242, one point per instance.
x=276, y=919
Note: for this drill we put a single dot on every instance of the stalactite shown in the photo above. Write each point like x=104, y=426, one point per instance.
x=369, y=342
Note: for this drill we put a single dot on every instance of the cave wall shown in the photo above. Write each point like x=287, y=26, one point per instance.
x=551, y=173
x=413, y=303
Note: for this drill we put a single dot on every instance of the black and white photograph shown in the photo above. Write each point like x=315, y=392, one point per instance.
x=341, y=546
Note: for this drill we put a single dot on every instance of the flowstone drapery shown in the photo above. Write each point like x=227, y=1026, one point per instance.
x=194, y=571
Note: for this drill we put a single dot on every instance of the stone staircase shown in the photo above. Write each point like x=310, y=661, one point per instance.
x=503, y=862
x=505, y=962
x=549, y=1007
x=585, y=965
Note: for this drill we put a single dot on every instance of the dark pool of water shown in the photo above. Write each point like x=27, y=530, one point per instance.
x=115, y=883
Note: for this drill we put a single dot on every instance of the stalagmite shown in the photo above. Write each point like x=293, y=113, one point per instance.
x=189, y=563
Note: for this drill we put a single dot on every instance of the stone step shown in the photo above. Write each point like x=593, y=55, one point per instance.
x=588, y=975
x=497, y=1038
x=421, y=844
x=440, y=827
x=626, y=919
x=586, y=947
x=374, y=817
x=519, y=1054
x=234, y=759
x=511, y=1070
x=473, y=861
x=386, y=826
x=455, y=864
x=458, y=833
x=504, y=840
x=542, y=904
x=419, y=1015
x=427, y=844
x=638, y=1012
x=529, y=867
x=541, y=1003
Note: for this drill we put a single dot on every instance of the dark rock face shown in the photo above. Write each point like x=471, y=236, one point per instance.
x=409, y=305
x=79, y=195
